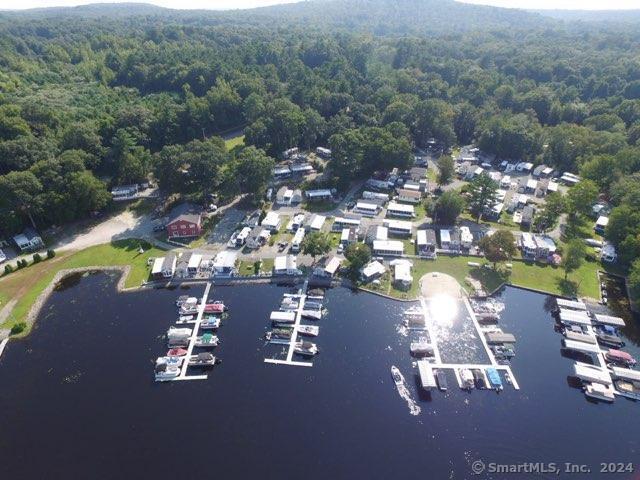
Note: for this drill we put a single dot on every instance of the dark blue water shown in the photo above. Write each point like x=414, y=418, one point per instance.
x=77, y=398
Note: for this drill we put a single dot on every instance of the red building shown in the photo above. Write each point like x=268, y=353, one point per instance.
x=187, y=225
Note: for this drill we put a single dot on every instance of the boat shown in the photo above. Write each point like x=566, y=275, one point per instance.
x=185, y=300
x=307, y=349
x=176, y=352
x=215, y=307
x=466, y=378
x=494, y=378
x=620, y=358
x=610, y=340
x=289, y=304
x=494, y=338
x=487, y=317
x=187, y=318
x=308, y=330
x=177, y=361
x=310, y=304
x=181, y=342
x=282, y=318
x=166, y=372
x=598, y=391
x=202, y=360
x=210, y=323
x=441, y=377
x=188, y=310
x=503, y=352
x=628, y=389
x=312, y=314
x=478, y=379
x=207, y=340
x=176, y=332
x=398, y=379
x=421, y=348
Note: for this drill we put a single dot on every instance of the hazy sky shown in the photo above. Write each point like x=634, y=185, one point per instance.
x=225, y=4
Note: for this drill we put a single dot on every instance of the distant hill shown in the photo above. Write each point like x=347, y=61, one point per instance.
x=392, y=17
x=618, y=16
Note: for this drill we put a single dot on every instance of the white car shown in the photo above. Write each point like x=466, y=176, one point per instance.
x=340, y=248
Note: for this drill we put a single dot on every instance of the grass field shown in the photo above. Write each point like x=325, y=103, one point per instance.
x=234, y=142
x=25, y=285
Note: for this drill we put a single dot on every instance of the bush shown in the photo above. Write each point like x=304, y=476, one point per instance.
x=22, y=263
x=51, y=253
x=37, y=258
x=18, y=328
x=8, y=269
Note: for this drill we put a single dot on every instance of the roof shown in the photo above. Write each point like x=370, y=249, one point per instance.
x=425, y=237
x=187, y=217
x=285, y=262
x=225, y=259
x=194, y=261
x=532, y=184
x=333, y=265
x=399, y=207
x=271, y=219
x=542, y=241
x=373, y=268
x=609, y=320
x=398, y=225
x=388, y=245
x=318, y=193
x=445, y=235
x=572, y=304
x=575, y=316
x=403, y=192
x=317, y=221
x=402, y=272
x=602, y=221
x=366, y=206
x=157, y=265
x=347, y=221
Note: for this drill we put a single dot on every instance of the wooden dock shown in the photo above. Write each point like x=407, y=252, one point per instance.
x=192, y=341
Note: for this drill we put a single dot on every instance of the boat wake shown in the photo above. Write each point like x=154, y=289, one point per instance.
x=404, y=392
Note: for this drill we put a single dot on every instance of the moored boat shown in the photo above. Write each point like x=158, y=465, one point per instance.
x=177, y=361
x=175, y=332
x=620, y=358
x=466, y=378
x=598, y=391
x=494, y=378
x=441, y=378
x=207, y=340
x=164, y=372
x=176, y=352
x=308, y=330
x=307, y=349
x=628, y=389
x=187, y=318
x=398, y=379
x=215, y=307
x=312, y=314
x=210, y=322
x=421, y=348
x=202, y=360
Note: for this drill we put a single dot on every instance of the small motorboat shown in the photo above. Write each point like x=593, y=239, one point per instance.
x=281, y=333
x=308, y=330
x=620, y=358
x=177, y=361
x=175, y=332
x=188, y=310
x=210, y=323
x=421, y=348
x=597, y=391
x=503, y=352
x=186, y=318
x=398, y=379
x=609, y=339
x=166, y=372
x=466, y=378
x=181, y=342
x=207, y=340
x=312, y=314
x=494, y=378
x=186, y=300
x=202, y=360
x=215, y=307
x=307, y=349
x=441, y=378
x=176, y=352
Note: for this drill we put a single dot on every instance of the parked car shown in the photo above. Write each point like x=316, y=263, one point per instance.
x=159, y=228
x=282, y=246
x=340, y=248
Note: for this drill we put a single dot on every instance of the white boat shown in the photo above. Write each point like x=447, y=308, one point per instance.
x=186, y=300
x=171, y=361
x=421, y=348
x=591, y=373
x=186, y=318
x=176, y=332
x=166, y=372
x=188, y=310
x=599, y=392
x=210, y=323
x=466, y=378
x=207, y=340
x=309, y=330
x=308, y=349
x=398, y=379
x=312, y=314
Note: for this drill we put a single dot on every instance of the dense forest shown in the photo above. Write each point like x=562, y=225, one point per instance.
x=103, y=95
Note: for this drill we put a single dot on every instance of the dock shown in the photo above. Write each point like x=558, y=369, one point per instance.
x=192, y=341
x=3, y=344
x=432, y=335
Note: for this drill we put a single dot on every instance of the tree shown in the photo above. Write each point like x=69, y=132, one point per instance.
x=446, y=169
x=482, y=195
x=580, y=198
x=548, y=215
x=253, y=169
x=447, y=208
x=633, y=280
x=499, y=247
x=316, y=244
x=573, y=256
x=19, y=191
x=358, y=254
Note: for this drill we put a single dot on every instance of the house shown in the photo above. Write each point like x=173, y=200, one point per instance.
x=284, y=195
x=376, y=232
x=417, y=173
x=331, y=267
x=524, y=167
x=415, y=186
x=296, y=242
x=399, y=227
x=367, y=195
x=295, y=223
x=527, y=216
x=600, y=210
x=156, y=269
x=545, y=246
x=271, y=222
x=194, y=263
x=426, y=240
x=601, y=225
x=494, y=212
x=608, y=253
x=168, y=267
x=323, y=153
x=259, y=236
x=569, y=179
x=505, y=182
x=445, y=239
x=318, y=195
x=185, y=226
x=552, y=186
x=290, y=152
x=285, y=265
x=316, y=223
x=527, y=245
x=474, y=172
x=454, y=240
x=348, y=236
x=281, y=172
x=124, y=192
x=341, y=223
x=402, y=273
x=531, y=186
x=410, y=196
x=376, y=184
x=242, y=237
x=224, y=263
x=296, y=197
x=466, y=237
x=522, y=200
x=388, y=247
x=182, y=265
x=371, y=271
x=367, y=209
x=28, y=240
x=400, y=210
x=301, y=168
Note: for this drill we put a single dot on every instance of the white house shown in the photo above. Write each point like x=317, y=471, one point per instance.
x=194, y=263
x=331, y=267
x=402, y=272
x=445, y=239
x=545, y=246
x=301, y=168
x=505, y=182
x=348, y=236
x=466, y=237
x=317, y=221
x=295, y=223
x=323, y=152
x=283, y=196
x=367, y=209
x=341, y=223
x=388, y=247
x=367, y=195
x=426, y=241
x=318, y=195
x=372, y=270
x=225, y=263
x=28, y=240
x=297, y=240
x=285, y=265
x=527, y=245
x=400, y=210
x=271, y=221
x=124, y=192
x=399, y=227
x=410, y=196
x=601, y=225
x=377, y=232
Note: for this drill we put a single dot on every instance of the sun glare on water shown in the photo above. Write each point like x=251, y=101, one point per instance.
x=444, y=310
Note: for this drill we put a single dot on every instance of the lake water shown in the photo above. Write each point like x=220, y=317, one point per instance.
x=78, y=400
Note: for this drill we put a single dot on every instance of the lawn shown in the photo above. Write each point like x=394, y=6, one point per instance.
x=319, y=206
x=530, y=275
x=234, y=142
x=25, y=285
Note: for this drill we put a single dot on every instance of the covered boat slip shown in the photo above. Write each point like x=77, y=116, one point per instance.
x=427, y=378
x=575, y=317
x=591, y=373
x=580, y=346
x=608, y=320
x=283, y=317
x=571, y=304
x=499, y=337
x=626, y=374
x=581, y=337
